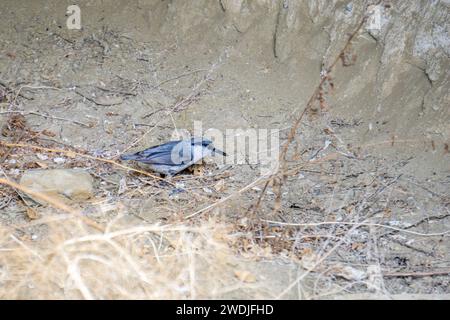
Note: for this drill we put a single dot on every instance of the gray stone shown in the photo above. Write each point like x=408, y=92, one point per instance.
x=63, y=184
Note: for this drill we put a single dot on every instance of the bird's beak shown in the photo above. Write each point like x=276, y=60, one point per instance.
x=219, y=152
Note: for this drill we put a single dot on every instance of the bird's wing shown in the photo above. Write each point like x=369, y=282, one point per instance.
x=164, y=154
x=163, y=148
x=161, y=158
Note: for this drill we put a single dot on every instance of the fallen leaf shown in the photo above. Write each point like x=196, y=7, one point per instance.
x=71, y=154
x=348, y=273
x=245, y=276
x=309, y=261
x=30, y=165
x=32, y=214
x=48, y=133
x=220, y=186
x=357, y=246
x=42, y=164
x=197, y=170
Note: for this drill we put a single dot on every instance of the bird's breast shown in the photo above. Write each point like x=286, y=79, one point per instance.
x=199, y=152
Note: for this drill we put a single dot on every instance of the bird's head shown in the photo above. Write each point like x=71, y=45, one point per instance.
x=206, y=143
x=200, y=141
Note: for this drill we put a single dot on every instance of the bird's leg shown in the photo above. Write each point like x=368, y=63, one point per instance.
x=168, y=178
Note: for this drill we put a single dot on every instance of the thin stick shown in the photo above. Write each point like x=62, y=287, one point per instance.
x=130, y=231
x=318, y=262
x=357, y=224
x=59, y=118
x=35, y=88
x=311, y=100
x=178, y=77
x=7, y=87
x=95, y=101
x=215, y=204
x=417, y=274
x=47, y=116
x=23, y=245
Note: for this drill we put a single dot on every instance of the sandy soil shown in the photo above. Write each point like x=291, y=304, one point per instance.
x=132, y=77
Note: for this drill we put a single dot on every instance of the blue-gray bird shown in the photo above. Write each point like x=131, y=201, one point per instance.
x=173, y=157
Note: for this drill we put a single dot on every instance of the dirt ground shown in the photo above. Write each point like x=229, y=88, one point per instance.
x=361, y=210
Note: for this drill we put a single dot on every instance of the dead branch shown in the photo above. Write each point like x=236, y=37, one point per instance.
x=293, y=131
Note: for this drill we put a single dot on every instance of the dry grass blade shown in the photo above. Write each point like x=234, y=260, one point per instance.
x=325, y=223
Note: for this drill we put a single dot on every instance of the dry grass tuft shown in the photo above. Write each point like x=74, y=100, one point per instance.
x=127, y=261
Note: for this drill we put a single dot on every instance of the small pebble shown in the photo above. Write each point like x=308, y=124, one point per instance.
x=207, y=190
x=59, y=160
x=348, y=8
x=41, y=156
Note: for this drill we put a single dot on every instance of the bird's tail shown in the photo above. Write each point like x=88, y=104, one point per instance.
x=128, y=157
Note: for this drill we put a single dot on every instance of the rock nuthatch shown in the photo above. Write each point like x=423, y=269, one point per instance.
x=173, y=157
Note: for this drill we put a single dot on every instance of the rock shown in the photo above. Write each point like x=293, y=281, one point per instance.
x=63, y=184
